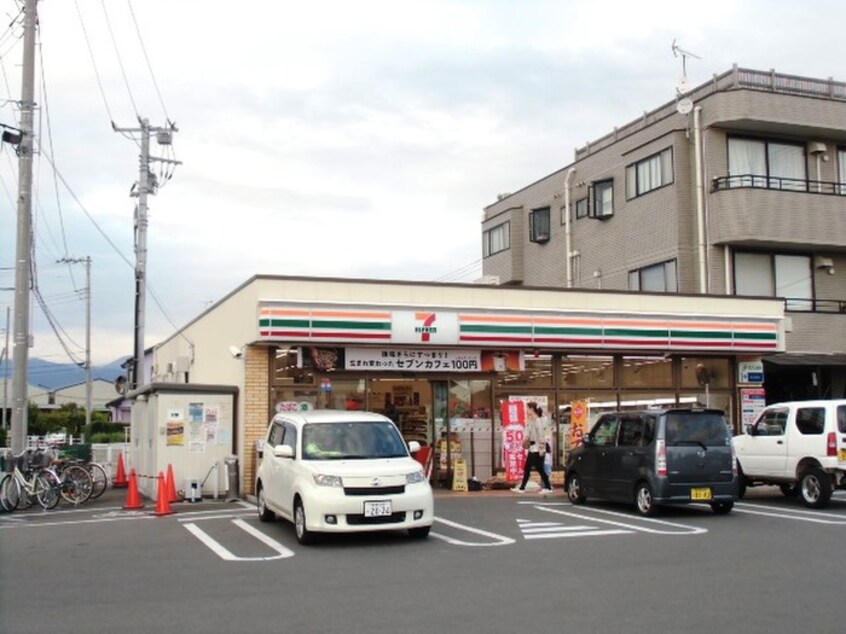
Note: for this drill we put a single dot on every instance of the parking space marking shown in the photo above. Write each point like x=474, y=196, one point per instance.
x=684, y=529
x=800, y=515
x=498, y=540
x=554, y=530
x=221, y=551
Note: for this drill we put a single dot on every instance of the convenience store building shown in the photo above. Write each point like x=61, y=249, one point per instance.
x=442, y=358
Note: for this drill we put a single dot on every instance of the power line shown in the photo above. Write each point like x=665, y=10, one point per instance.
x=147, y=59
x=119, y=60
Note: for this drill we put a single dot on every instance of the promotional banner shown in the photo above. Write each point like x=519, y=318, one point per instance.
x=413, y=360
x=513, y=427
x=579, y=421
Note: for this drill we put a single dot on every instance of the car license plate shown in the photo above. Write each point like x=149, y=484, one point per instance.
x=377, y=509
x=700, y=494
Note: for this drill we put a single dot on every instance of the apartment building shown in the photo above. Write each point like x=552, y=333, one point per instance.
x=736, y=187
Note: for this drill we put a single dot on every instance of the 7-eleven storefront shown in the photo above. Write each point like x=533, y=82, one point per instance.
x=443, y=369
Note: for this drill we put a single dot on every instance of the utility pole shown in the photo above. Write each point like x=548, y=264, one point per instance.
x=23, y=260
x=147, y=184
x=87, y=262
x=6, y=371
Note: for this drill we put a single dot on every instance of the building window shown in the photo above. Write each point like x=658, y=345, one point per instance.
x=496, y=239
x=766, y=164
x=539, y=225
x=841, y=163
x=603, y=199
x=775, y=275
x=582, y=208
x=658, y=278
x=651, y=173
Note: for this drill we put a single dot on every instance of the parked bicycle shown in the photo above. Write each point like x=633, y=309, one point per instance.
x=30, y=480
x=80, y=456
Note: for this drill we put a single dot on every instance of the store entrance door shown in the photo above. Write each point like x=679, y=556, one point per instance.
x=407, y=402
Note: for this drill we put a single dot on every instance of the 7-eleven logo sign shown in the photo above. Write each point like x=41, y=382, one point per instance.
x=426, y=327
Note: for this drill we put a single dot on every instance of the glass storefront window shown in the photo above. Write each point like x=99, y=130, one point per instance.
x=471, y=426
x=718, y=400
x=647, y=372
x=538, y=373
x=347, y=394
x=583, y=371
x=696, y=371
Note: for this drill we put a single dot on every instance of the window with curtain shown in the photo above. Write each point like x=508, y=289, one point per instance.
x=651, y=173
x=657, y=278
x=766, y=164
x=775, y=275
x=603, y=199
x=582, y=207
x=496, y=239
x=841, y=163
x=539, y=225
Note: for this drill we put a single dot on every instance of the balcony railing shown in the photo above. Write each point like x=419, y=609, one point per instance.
x=757, y=181
x=795, y=305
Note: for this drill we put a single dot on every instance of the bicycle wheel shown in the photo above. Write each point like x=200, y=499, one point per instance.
x=10, y=493
x=25, y=500
x=76, y=485
x=100, y=479
x=47, y=488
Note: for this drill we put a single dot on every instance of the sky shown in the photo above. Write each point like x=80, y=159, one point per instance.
x=329, y=138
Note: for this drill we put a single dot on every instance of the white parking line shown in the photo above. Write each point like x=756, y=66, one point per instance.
x=221, y=551
x=553, y=530
x=685, y=529
x=816, y=517
x=499, y=540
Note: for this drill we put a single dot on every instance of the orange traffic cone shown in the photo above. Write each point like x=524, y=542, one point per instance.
x=162, y=502
x=172, y=496
x=120, y=481
x=133, y=499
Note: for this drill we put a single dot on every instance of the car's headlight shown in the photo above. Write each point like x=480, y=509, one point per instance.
x=414, y=477
x=323, y=480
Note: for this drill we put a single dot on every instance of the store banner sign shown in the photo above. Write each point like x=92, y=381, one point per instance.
x=421, y=327
x=579, y=422
x=426, y=360
x=513, y=430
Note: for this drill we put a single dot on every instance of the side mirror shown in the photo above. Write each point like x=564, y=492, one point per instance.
x=283, y=451
x=587, y=439
x=413, y=446
x=751, y=430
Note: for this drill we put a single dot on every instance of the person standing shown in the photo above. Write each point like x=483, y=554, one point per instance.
x=537, y=449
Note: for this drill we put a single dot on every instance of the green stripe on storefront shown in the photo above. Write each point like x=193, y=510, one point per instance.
x=351, y=325
x=500, y=330
x=700, y=334
x=632, y=332
x=548, y=330
x=286, y=323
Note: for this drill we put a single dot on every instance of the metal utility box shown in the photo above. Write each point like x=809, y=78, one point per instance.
x=188, y=427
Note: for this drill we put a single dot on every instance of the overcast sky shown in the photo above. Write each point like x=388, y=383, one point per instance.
x=354, y=139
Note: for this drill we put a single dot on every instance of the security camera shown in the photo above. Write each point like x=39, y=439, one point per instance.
x=236, y=352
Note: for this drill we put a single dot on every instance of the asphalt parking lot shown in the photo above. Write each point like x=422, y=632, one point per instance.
x=494, y=562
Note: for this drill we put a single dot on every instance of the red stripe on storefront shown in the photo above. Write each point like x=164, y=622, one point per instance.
x=350, y=335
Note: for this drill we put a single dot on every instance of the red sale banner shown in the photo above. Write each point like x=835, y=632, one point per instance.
x=513, y=427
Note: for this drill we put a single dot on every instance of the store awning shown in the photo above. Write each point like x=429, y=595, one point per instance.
x=806, y=359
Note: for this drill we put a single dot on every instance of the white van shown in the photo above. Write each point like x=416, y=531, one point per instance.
x=342, y=471
x=799, y=446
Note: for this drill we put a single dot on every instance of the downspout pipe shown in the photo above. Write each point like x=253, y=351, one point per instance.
x=567, y=236
x=700, y=200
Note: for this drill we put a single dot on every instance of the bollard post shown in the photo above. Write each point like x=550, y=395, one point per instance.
x=232, y=471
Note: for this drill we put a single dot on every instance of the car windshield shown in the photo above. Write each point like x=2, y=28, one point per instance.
x=352, y=441
x=700, y=428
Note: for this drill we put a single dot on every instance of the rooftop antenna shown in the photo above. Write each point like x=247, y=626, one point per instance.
x=678, y=50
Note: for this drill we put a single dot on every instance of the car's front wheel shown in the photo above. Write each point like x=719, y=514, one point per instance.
x=304, y=535
x=264, y=513
x=815, y=488
x=574, y=489
x=643, y=500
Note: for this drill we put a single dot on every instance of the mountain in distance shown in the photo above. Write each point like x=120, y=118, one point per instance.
x=58, y=375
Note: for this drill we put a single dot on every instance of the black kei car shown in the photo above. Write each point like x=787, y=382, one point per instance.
x=673, y=456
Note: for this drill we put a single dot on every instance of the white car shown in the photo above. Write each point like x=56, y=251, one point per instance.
x=339, y=472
